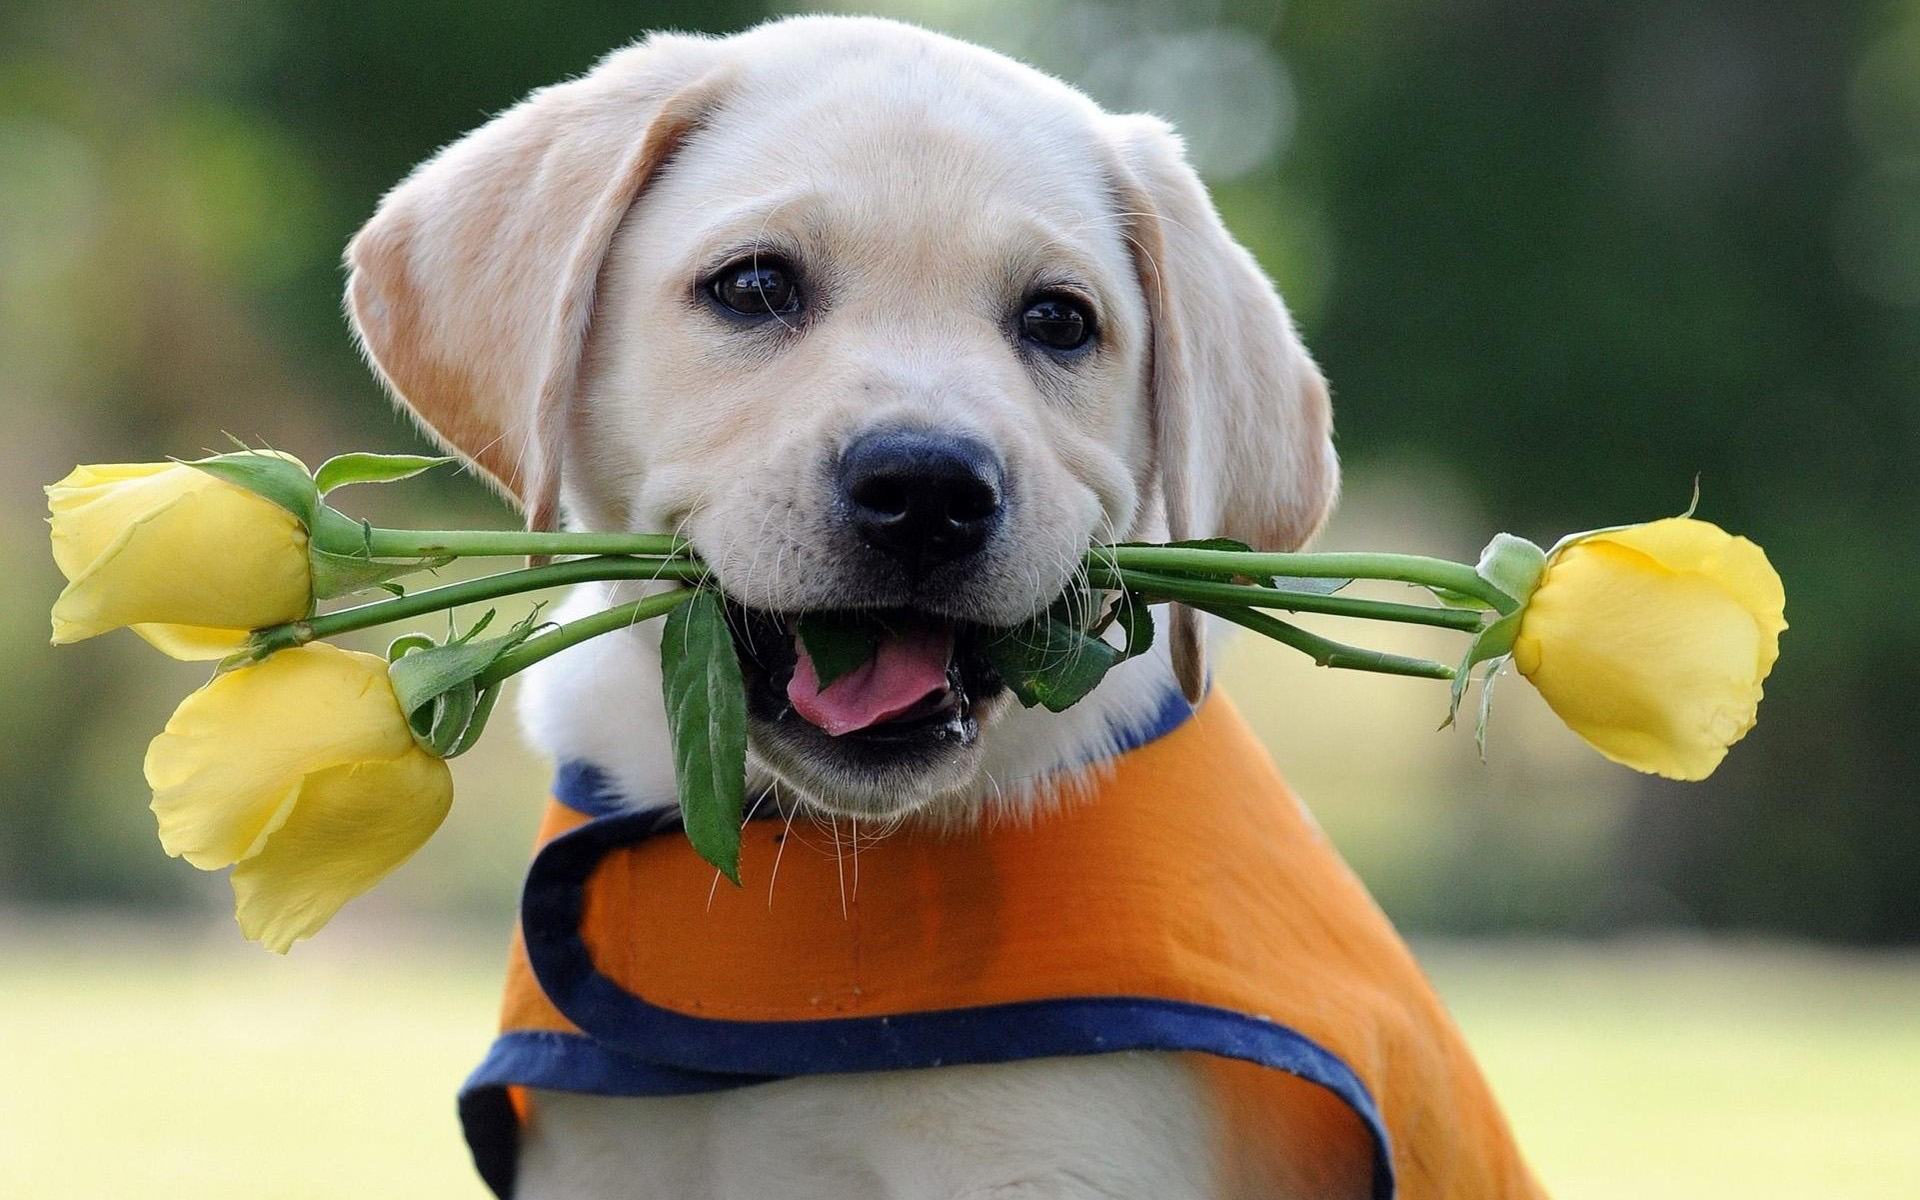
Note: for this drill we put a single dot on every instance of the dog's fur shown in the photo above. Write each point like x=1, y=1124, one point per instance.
x=532, y=295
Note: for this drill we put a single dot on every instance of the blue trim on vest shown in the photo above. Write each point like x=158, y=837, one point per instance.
x=567, y=1062
x=573, y=1062
x=585, y=788
x=633, y=1048
x=1172, y=713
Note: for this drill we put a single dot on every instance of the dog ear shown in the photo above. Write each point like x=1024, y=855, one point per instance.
x=472, y=288
x=1242, y=425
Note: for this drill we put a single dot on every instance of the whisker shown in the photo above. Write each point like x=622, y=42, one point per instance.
x=786, y=835
x=760, y=239
x=839, y=868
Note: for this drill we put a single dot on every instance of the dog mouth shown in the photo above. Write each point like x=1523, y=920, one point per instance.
x=897, y=684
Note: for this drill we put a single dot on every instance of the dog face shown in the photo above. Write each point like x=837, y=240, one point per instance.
x=872, y=349
x=884, y=323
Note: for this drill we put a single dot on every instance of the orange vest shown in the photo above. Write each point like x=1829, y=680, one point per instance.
x=1188, y=905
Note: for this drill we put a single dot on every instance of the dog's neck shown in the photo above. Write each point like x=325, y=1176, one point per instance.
x=600, y=703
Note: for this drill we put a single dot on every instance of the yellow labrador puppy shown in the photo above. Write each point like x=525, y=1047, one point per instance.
x=879, y=320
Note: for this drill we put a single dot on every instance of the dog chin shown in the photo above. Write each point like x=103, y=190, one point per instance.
x=847, y=782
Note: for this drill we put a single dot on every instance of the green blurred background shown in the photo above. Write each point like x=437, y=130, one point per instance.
x=1557, y=258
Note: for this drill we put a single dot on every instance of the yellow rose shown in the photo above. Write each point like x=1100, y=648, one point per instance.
x=191, y=562
x=301, y=770
x=1651, y=641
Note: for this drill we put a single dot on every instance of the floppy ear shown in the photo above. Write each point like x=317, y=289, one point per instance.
x=1242, y=426
x=472, y=287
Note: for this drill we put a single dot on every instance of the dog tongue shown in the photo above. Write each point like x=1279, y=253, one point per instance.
x=905, y=671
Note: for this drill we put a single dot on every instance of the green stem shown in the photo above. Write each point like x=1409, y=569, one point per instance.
x=1403, y=568
x=571, y=634
x=492, y=587
x=481, y=543
x=1325, y=651
x=1159, y=587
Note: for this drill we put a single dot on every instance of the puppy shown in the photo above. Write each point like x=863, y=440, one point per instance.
x=880, y=321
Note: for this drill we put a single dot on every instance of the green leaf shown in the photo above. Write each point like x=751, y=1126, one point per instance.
x=1076, y=607
x=1108, y=607
x=1515, y=566
x=707, y=718
x=1212, y=543
x=406, y=644
x=839, y=643
x=435, y=684
x=1049, y=662
x=342, y=574
x=1300, y=583
x=277, y=478
x=444, y=722
x=1453, y=599
x=421, y=675
x=1487, y=680
x=1495, y=641
x=1130, y=610
x=476, y=723
x=1570, y=539
x=486, y=619
x=343, y=469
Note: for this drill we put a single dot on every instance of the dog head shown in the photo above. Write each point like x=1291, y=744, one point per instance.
x=884, y=323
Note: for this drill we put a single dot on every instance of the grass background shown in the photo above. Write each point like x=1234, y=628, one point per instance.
x=177, y=1061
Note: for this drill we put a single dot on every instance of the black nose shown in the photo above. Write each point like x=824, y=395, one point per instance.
x=921, y=498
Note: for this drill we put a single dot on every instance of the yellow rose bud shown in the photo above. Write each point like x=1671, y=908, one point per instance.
x=190, y=561
x=301, y=770
x=1651, y=642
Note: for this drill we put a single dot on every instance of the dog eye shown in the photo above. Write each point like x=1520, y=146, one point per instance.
x=1057, y=322
x=756, y=287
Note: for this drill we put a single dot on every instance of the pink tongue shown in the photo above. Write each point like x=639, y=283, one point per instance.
x=907, y=670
